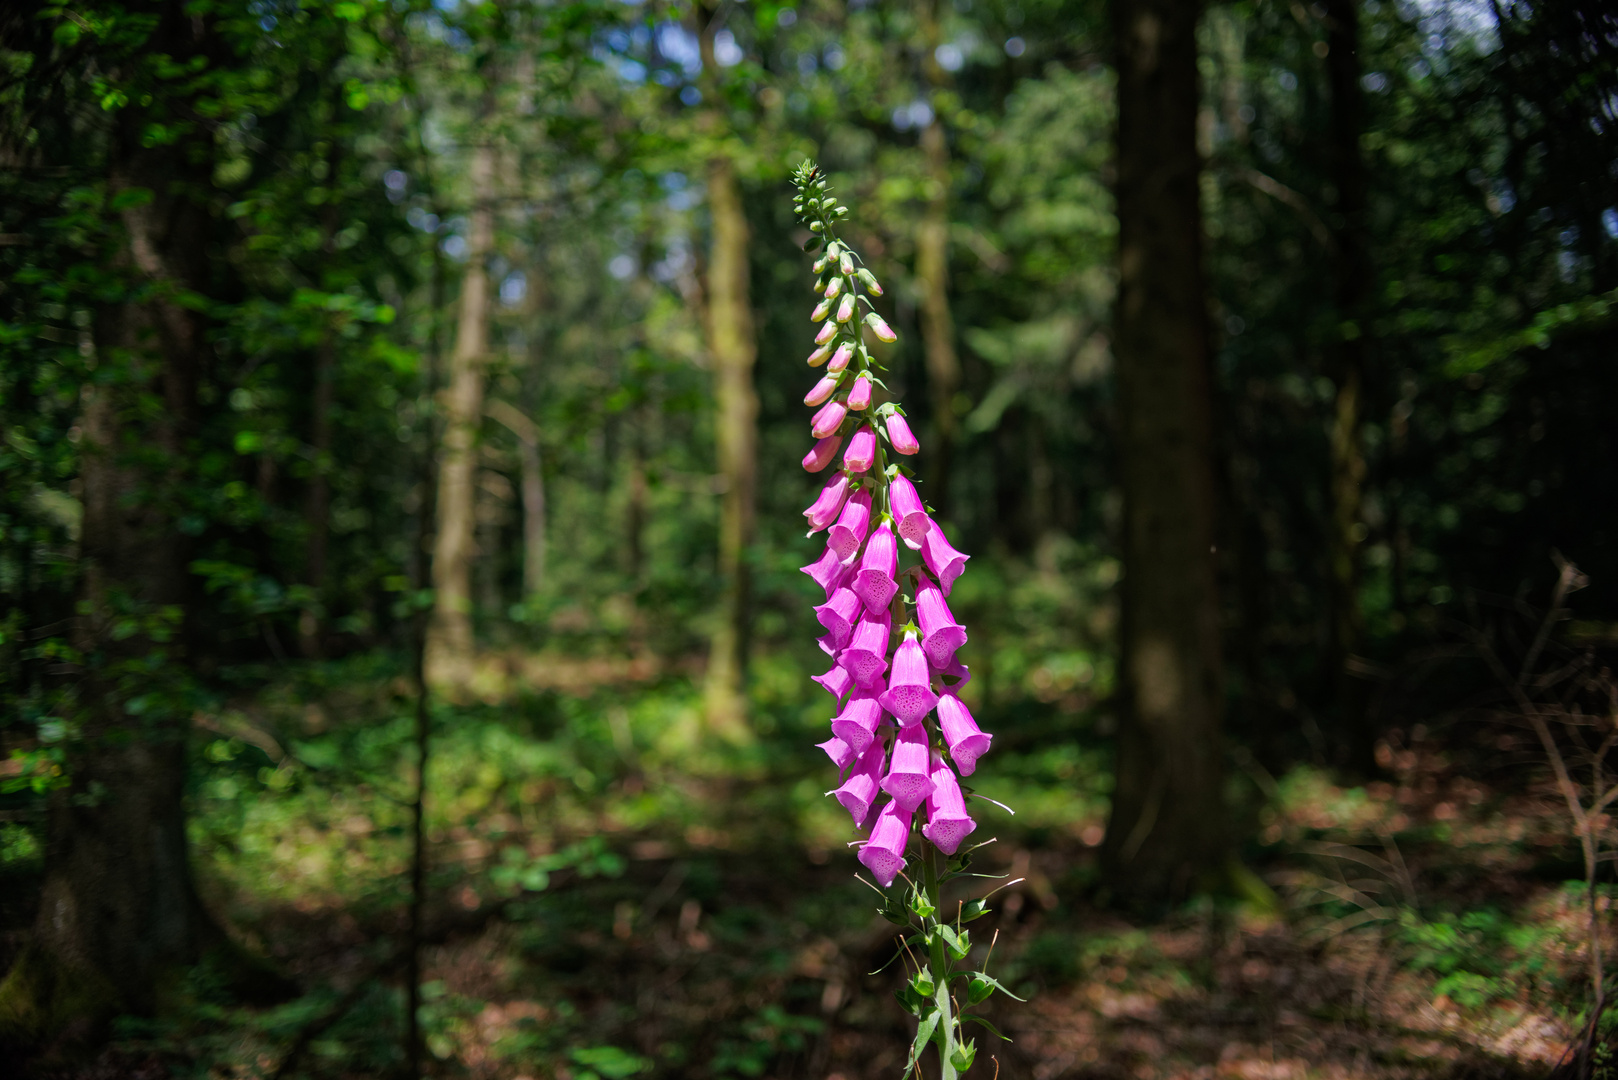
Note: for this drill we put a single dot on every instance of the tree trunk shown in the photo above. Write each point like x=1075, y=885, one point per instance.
x=932, y=270
x=1353, y=286
x=1166, y=836
x=533, y=492
x=317, y=507
x=449, y=637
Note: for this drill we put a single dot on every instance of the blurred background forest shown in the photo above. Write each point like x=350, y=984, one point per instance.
x=328, y=330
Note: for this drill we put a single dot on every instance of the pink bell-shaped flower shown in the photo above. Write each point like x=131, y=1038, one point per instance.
x=910, y=774
x=840, y=358
x=941, y=635
x=856, y=725
x=836, y=682
x=910, y=690
x=828, y=419
x=966, y=742
x=879, y=326
x=822, y=390
x=859, y=396
x=866, y=657
x=943, y=560
x=853, y=523
x=874, y=583
x=858, y=792
x=948, y=823
x=838, y=615
x=824, y=450
x=824, y=510
x=884, y=853
x=828, y=571
x=861, y=453
x=908, y=511
x=900, y=435
x=841, y=754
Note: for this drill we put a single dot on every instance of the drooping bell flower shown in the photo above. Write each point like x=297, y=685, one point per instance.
x=845, y=310
x=828, y=419
x=859, y=791
x=899, y=433
x=910, y=689
x=840, y=358
x=908, y=510
x=822, y=390
x=941, y=635
x=879, y=326
x=828, y=571
x=841, y=754
x=856, y=725
x=866, y=657
x=828, y=330
x=859, y=397
x=861, y=448
x=820, y=311
x=823, y=511
x=874, y=583
x=943, y=560
x=948, y=823
x=838, y=615
x=884, y=853
x=819, y=356
x=837, y=682
x=910, y=774
x=823, y=452
x=966, y=742
x=852, y=524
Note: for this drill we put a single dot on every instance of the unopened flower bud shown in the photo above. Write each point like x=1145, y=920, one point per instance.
x=828, y=419
x=899, y=433
x=874, y=583
x=845, y=261
x=823, y=452
x=910, y=774
x=870, y=282
x=834, y=286
x=840, y=358
x=861, y=449
x=820, y=264
x=910, y=689
x=948, y=823
x=820, y=311
x=884, y=853
x=827, y=332
x=845, y=309
x=852, y=524
x=908, y=510
x=859, y=396
x=822, y=390
x=819, y=356
x=823, y=511
x=879, y=326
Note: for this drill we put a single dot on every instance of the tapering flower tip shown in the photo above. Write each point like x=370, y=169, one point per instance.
x=838, y=615
x=828, y=419
x=966, y=742
x=861, y=451
x=823, y=511
x=899, y=433
x=828, y=645
x=948, y=823
x=845, y=262
x=869, y=281
x=866, y=657
x=820, y=263
x=829, y=570
x=859, y=397
x=852, y=524
x=859, y=791
x=823, y=452
x=840, y=358
x=827, y=330
x=884, y=853
x=820, y=311
x=874, y=582
x=819, y=356
x=821, y=391
x=841, y=754
x=941, y=635
x=909, y=778
x=837, y=683
x=856, y=724
x=845, y=310
x=910, y=690
x=879, y=326
x=834, y=286
x=908, y=511
x=943, y=560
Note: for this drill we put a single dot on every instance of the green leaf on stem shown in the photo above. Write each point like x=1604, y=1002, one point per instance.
x=993, y=1030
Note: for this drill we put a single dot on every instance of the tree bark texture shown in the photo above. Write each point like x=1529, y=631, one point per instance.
x=1166, y=836
x=449, y=638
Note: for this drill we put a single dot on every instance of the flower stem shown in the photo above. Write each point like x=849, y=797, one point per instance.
x=940, y=962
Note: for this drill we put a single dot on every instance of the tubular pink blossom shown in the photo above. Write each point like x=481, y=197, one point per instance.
x=948, y=823
x=838, y=615
x=841, y=753
x=899, y=433
x=852, y=524
x=856, y=724
x=822, y=390
x=828, y=571
x=828, y=419
x=941, y=635
x=910, y=691
x=908, y=510
x=820, y=311
x=866, y=656
x=884, y=853
x=835, y=682
x=823, y=511
x=859, y=398
x=879, y=326
x=819, y=356
x=943, y=560
x=840, y=358
x=874, y=583
x=861, y=449
x=823, y=452
x=909, y=778
x=827, y=330
x=966, y=742
x=858, y=792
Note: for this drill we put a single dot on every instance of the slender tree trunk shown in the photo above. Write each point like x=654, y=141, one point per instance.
x=317, y=506
x=449, y=637
x=1167, y=835
x=1353, y=289
x=932, y=270
x=533, y=492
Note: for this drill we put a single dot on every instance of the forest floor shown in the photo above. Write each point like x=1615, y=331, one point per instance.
x=612, y=900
